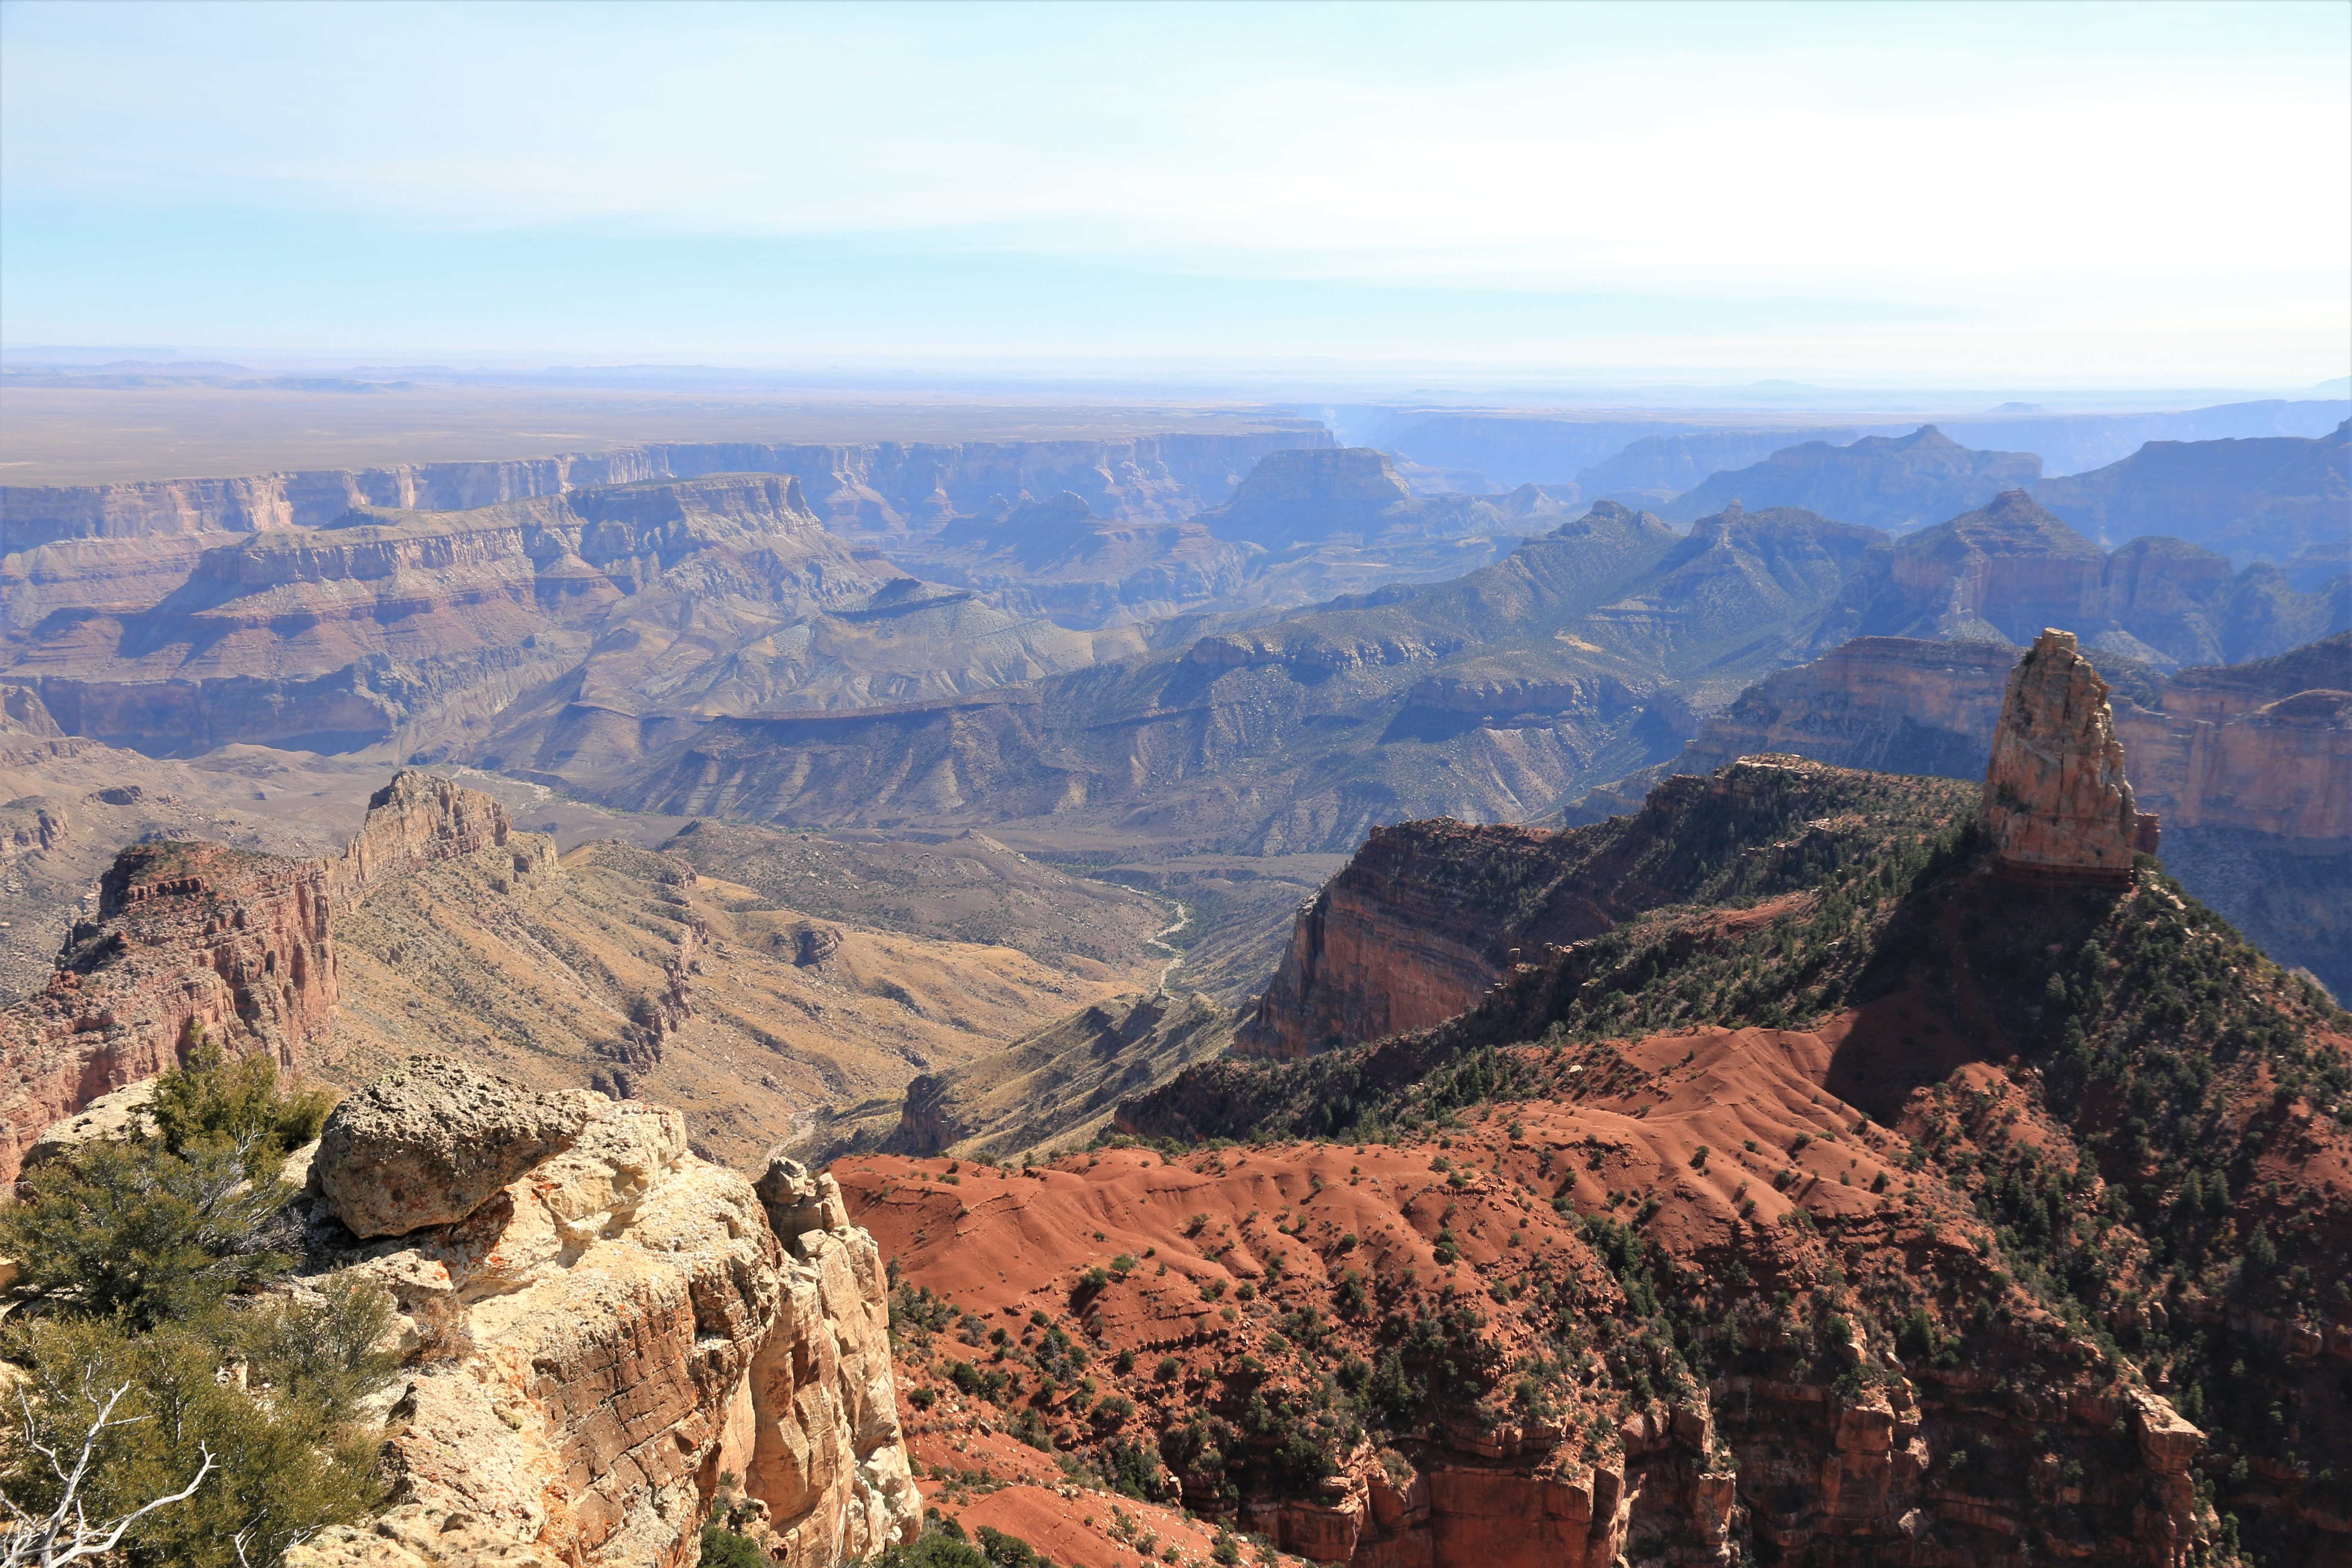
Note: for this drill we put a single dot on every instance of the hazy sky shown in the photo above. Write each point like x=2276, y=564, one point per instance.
x=2015, y=193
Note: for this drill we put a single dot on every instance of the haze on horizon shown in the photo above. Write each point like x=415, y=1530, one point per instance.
x=1918, y=196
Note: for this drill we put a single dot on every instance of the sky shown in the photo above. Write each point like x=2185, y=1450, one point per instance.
x=2018, y=195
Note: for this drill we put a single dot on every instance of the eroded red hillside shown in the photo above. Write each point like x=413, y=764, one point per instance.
x=1687, y=1301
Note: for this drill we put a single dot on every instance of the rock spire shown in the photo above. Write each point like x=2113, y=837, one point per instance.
x=2055, y=798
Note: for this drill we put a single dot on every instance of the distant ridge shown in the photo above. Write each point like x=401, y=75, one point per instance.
x=1897, y=483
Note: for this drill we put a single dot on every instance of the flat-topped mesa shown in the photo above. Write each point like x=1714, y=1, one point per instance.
x=2055, y=800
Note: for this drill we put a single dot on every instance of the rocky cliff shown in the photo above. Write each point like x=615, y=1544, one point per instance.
x=885, y=485
x=2263, y=497
x=593, y=1343
x=1403, y=938
x=2249, y=766
x=2261, y=746
x=190, y=941
x=2056, y=801
x=416, y=820
x=1428, y=916
x=196, y=939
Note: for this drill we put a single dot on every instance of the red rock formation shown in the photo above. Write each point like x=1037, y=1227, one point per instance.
x=1430, y=914
x=188, y=937
x=1781, y=1453
x=2265, y=747
x=193, y=936
x=2055, y=798
x=416, y=819
x=1394, y=943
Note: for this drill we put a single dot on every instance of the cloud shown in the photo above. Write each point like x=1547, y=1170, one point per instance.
x=2100, y=169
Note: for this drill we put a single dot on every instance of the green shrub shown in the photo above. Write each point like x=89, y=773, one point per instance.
x=129, y=1231
x=722, y=1548
x=137, y=1247
x=235, y=1104
x=291, y=1456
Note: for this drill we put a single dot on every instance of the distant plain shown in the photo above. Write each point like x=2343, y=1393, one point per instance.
x=86, y=436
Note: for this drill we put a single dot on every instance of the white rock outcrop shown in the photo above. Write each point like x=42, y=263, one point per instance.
x=593, y=1347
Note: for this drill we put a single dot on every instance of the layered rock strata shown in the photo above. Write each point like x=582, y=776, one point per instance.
x=885, y=485
x=593, y=1345
x=416, y=820
x=1429, y=915
x=411, y=630
x=2056, y=801
x=196, y=939
x=191, y=940
x=2249, y=765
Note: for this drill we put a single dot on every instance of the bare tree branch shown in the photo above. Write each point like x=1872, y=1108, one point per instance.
x=65, y=1535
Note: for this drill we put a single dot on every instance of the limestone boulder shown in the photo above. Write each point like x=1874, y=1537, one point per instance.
x=428, y=1143
x=590, y=1348
x=415, y=1535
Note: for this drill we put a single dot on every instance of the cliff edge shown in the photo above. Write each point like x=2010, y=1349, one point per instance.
x=591, y=1345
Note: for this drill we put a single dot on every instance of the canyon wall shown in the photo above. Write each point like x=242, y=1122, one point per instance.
x=2265, y=747
x=1428, y=916
x=888, y=486
x=409, y=630
x=188, y=938
x=196, y=937
x=1401, y=938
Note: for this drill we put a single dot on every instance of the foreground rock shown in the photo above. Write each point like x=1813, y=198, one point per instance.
x=596, y=1343
x=428, y=1142
x=2055, y=798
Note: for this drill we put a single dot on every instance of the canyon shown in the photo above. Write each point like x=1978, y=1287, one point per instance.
x=1756, y=1158
x=612, y=967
